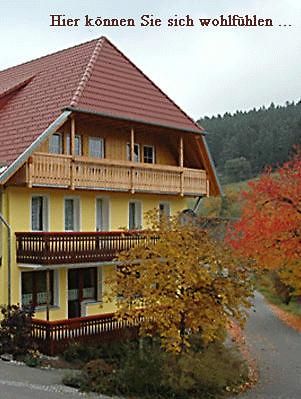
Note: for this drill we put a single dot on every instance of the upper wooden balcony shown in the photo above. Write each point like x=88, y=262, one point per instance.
x=52, y=170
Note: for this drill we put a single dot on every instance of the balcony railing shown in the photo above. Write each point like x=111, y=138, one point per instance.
x=53, y=337
x=45, y=248
x=63, y=171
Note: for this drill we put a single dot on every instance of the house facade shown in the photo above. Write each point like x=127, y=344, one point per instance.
x=88, y=145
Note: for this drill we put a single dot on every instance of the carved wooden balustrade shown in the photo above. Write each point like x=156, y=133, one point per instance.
x=85, y=173
x=52, y=248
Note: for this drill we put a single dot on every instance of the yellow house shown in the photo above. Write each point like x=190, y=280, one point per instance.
x=88, y=144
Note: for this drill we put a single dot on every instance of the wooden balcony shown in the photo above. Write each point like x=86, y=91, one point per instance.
x=45, y=248
x=53, y=170
x=52, y=337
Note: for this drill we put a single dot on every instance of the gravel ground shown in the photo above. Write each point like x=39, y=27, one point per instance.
x=277, y=349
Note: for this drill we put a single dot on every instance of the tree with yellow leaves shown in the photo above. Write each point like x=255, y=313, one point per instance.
x=184, y=283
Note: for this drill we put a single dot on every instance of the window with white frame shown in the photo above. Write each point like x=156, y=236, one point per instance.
x=136, y=152
x=55, y=144
x=135, y=215
x=78, y=148
x=72, y=214
x=34, y=288
x=102, y=214
x=148, y=154
x=96, y=147
x=39, y=213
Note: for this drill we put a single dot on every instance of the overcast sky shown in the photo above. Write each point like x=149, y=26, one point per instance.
x=205, y=70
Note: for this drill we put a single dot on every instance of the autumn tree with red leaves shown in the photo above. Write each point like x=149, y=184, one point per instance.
x=269, y=230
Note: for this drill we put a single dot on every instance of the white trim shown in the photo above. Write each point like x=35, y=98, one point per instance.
x=61, y=143
x=128, y=152
x=141, y=213
x=101, y=139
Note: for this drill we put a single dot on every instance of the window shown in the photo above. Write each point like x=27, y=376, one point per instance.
x=135, y=216
x=34, y=288
x=71, y=214
x=136, y=152
x=39, y=213
x=102, y=214
x=55, y=144
x=77, y=145
x=96, y=147
x=164, y=210
x=148, y=154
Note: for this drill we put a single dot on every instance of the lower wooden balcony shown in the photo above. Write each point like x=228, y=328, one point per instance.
x=43, y=248
x=52, y=337
x=53, y=170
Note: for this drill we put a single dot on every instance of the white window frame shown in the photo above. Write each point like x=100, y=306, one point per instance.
x=138, y=215
x=154, y=155
x=46, y=211
x=50, y=147
x=106, y=206
x=77, y=217
x=101, y=140
x=128, y=152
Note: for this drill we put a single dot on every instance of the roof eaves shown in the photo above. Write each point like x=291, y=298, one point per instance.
x=87, y=73
x=135, y=120
x=24, y=156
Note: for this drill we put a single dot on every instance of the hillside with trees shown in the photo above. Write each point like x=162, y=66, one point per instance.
x=244, y=143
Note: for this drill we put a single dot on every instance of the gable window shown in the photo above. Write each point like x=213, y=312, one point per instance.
x=34, y=288
x=136, y=152
x=71, y=208
x=102, y=214
x=55, y=143
x=78, y=148
x=148, y=154
x=135, y=215
x=39, y=213
x=96, y=147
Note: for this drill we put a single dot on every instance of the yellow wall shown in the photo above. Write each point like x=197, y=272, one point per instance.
x=16, y=207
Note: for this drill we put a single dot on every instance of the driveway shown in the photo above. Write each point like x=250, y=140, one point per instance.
x=19, y=381
x=277, y=349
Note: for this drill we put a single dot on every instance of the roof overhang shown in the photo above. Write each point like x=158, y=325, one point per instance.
x=125, y=118
x=29, y=151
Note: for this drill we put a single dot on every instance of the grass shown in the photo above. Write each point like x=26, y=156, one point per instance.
x=265, y=286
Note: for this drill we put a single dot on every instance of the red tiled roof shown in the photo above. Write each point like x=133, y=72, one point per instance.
x=94, y=76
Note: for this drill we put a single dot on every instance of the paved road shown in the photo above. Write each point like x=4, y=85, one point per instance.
x=21, y=382
x=277, y=348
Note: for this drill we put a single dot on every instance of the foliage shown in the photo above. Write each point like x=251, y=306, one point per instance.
x=237, y=169
x=184, y=283
x=263, y=137
x=269, y=230
x=15, y=331
x=150, y=372
x=32, y=358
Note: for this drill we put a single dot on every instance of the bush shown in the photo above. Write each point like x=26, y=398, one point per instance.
x=147, y=371
x=15, y=330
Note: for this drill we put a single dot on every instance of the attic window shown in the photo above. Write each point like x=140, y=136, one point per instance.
x=55, y=144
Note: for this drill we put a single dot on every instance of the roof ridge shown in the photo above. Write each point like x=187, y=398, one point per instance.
x=154, y=84
x=48, y=55
x=87, y=73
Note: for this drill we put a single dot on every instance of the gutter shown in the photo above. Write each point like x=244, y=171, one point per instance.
x=52, y=128
x=125, y=118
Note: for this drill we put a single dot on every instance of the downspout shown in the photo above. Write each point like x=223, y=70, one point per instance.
x=7, y=225
x=197, y=204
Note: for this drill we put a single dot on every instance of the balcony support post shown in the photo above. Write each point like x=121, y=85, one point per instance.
x=72, y=151
x=48, y=293
x=132, y=145
x=181, y=164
